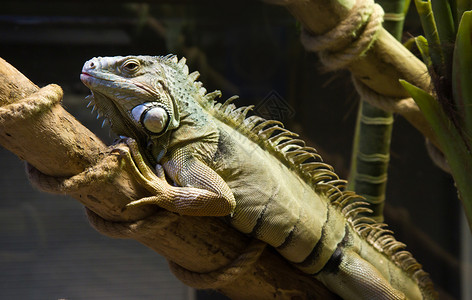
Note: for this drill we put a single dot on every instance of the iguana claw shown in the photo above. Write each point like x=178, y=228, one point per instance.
x=134, y=163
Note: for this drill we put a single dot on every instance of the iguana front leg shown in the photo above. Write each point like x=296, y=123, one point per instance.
x=202, y=192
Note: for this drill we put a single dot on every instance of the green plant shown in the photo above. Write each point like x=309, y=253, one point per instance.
x=446, y=49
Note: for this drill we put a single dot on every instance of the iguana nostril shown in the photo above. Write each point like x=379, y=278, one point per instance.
x=93, y=63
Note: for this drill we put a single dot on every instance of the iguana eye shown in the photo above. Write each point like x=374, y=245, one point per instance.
x=131, y=65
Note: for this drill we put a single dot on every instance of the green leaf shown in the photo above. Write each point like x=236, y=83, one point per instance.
x=428, y=23
x=447, y=33
x=432, y=111
x=444, y=21
x=462, y=71
x=422, y=45
x=450, y=142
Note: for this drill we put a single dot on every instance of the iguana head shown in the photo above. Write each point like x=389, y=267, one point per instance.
x=132, y=91
x=152, y=99
x=135, y=94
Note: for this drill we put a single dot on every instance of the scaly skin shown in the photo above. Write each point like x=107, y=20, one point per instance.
x=255, y=172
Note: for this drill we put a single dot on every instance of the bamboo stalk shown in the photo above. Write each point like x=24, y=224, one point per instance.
x=371, y=148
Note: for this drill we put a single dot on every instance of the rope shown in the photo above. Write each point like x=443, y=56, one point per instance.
x=437, y=157
x=386, y=103
x=27, y=107
x=332, y=48
x=223, y=276
x=133, y=229
x=360, y=27
x=210, y=280
x=105, y=169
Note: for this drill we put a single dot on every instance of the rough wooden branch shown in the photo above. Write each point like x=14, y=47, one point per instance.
x=381, y=67
x=54, y=143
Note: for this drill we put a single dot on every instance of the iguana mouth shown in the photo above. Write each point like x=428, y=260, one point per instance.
x=88, y=79
x=85, y=78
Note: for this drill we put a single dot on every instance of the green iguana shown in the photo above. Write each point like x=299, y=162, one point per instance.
x=267, y=183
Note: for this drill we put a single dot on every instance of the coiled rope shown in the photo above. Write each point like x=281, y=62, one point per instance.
x=360, y=27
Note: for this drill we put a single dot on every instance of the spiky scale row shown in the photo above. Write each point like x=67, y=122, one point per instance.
x=283, y=135
x=193, y=76
x=91, y=102
x=213, y=95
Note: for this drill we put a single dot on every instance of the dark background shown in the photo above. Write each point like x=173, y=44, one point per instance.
x=47, y=248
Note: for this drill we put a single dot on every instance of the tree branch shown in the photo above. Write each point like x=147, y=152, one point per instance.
x=381, y=67
x=64, y=156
